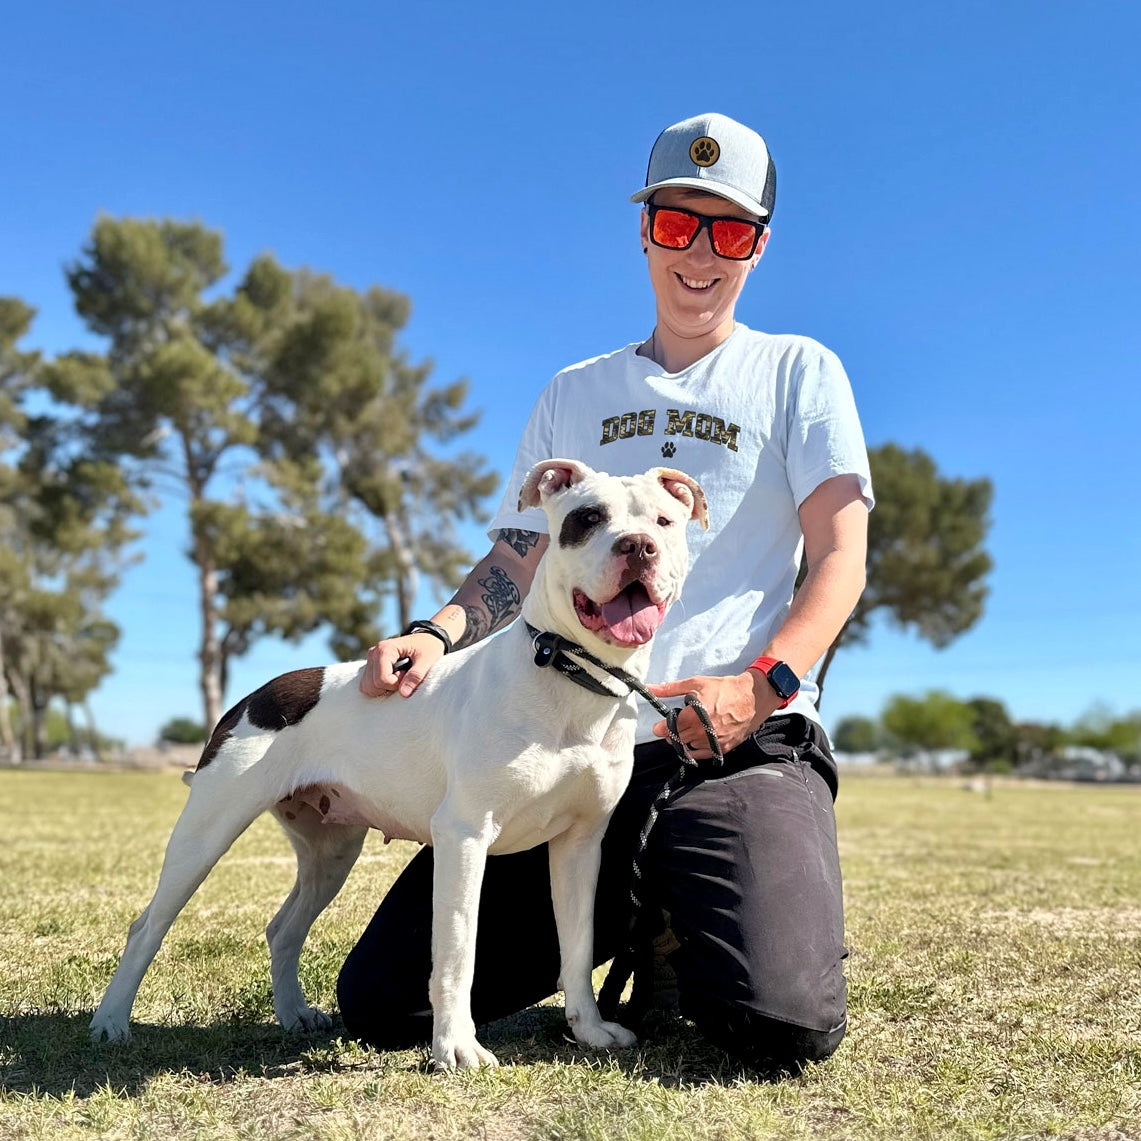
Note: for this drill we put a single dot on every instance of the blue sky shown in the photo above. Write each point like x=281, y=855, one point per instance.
x=957, y=217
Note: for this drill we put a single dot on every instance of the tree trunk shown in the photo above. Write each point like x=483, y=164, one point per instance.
x=829, y=654
x=93, y=731
x=24, y=704
x=406, y=576
x=8, y=747
x=72, y=733
x=223, y=675
x=209, y=654
x=39, y=712
x=825, y=662
x=209, y=649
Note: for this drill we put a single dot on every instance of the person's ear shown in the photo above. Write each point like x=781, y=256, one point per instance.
x=758, y=253
x=644, y=226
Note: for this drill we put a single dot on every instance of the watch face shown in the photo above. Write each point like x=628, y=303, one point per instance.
x=784, y=681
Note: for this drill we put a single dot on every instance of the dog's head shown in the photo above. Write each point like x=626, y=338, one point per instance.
x=618, y=554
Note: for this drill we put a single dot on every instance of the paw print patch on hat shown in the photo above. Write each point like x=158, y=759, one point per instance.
x=715, y=155
x=704, y=151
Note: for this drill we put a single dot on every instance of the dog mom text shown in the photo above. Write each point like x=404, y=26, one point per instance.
x=698, y=425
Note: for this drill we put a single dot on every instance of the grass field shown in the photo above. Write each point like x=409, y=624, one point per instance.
x=995, y=988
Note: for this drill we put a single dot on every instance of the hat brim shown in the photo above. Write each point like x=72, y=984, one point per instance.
x=708, y=186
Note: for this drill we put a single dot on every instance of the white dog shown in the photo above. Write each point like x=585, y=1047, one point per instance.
x=491, y=754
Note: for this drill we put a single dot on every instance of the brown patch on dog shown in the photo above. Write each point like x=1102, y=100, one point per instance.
x=222, y=732
x=279, y=703
x=285, y=700
x=581, y=523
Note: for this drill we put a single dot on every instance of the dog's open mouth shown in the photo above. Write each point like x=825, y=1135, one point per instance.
x=629, y=618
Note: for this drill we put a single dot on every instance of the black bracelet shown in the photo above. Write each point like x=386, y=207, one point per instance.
x=421, y=626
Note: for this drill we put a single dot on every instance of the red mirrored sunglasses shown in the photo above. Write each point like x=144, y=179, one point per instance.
x=673, y=228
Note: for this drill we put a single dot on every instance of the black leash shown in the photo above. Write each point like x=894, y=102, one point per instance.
x=554, y=650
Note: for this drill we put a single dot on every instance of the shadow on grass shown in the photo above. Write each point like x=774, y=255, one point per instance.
x=670, y=1051
x=52, y=1055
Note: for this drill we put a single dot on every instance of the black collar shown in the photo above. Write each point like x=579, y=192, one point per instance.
x=553, y=649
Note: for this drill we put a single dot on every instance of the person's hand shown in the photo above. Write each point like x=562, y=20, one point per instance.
x=380, y=678
x=737, y=705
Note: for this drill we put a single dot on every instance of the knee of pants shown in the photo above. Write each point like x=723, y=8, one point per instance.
x=374, y=1015
x=766, y=1044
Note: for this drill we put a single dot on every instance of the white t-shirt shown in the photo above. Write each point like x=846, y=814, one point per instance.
x=760, y=422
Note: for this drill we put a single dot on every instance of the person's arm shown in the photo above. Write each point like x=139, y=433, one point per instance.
x=489, y=598
x=834, y=520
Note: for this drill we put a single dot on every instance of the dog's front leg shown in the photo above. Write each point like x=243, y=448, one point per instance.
x=460, y=855
x=574, y=876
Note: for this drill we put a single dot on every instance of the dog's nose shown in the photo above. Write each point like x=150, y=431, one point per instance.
x=637, y=548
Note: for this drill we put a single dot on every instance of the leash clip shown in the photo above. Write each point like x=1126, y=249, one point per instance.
x=545, y=645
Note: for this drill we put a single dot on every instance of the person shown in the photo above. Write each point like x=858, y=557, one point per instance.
x=741, y=869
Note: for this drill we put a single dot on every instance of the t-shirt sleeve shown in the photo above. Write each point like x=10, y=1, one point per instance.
x=535, y=444
x=825, y=438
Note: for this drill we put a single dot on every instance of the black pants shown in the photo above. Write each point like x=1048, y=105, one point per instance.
x=744, y=863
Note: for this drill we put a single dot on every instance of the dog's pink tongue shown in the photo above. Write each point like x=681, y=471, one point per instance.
x=632, y=617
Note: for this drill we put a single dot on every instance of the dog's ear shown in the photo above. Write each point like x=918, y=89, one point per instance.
x=687, y=490
x=549, y=476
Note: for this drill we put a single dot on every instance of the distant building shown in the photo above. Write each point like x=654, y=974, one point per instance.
x=1077, y=762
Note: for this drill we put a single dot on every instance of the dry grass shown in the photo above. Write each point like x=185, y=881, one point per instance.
x=995, y=988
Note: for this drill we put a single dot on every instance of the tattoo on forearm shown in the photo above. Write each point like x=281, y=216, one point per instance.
x=521, y=542
x=477, y=626
x=500, y=596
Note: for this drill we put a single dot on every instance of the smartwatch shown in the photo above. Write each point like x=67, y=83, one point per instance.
x=780, y=676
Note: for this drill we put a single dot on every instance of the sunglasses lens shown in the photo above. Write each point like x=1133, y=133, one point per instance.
x=733, y=239
x=674, y=229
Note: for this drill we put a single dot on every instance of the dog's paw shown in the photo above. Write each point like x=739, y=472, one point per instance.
x=461, y=1054
x=306, y=1020
x=603, y=1035
x=109, y=1030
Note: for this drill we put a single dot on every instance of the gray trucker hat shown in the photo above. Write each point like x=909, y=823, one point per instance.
x=718, y=155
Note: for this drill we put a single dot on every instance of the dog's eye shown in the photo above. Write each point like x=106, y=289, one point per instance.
x=665, y=521
x=582, y=523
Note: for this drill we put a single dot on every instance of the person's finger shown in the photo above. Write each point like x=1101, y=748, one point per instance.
x=410, y=679
x=673, y=688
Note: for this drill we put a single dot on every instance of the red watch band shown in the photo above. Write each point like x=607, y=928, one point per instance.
x=762, y=665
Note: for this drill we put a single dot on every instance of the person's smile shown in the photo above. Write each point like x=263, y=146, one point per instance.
x=696, y=285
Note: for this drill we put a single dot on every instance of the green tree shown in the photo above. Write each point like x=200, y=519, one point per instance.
x=856, y=735
x=996, y=738
x=182, y=731
x=58, y=732
x=63, y=528
x=161, y=401
x=64, y=550
x=1100, y=728
x=284, y=417
x=336, y=389
x=16, y=368
x=1036, y=743
x=935, y=721
x=926, y=562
